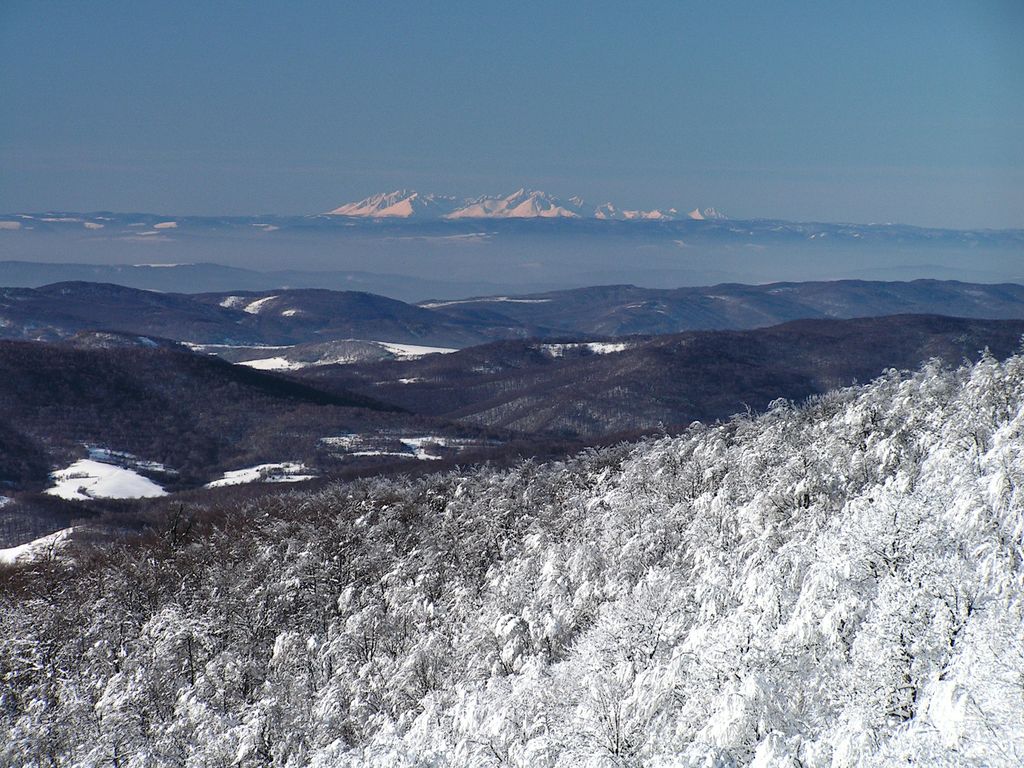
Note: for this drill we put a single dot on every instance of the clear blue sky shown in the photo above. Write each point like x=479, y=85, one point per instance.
x=813, y=110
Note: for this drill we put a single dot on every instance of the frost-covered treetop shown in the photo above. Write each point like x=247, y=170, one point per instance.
x=837, y=584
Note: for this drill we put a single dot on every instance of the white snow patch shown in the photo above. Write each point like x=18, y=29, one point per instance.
x=233, y=302
x=410, y=351
x=383, y=445
x=38, y=549
x=273, y=364
x=92, y=225
x=166, y=225
x=510, y=299
x=341, y=441
x=596, y=347
x=417, y=443
x=254, y=307
x=10, y=225
x=88, y=479
x=283, y=472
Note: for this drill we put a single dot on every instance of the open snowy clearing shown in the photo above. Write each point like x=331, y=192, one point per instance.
x=422, y=447
x=39, y=549
x=509, y=299
x=284, y=472
x=411, y=351
x=284, y=363
x=88, y=479
x=274, y=364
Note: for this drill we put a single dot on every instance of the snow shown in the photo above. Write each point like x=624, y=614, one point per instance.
x=88, y=479
x=273, y=364
x=38, y=549
x=254, y=307
x=411, y=351
x=291, y=312
x=400, y=204
x=92, y=225
x=521, y=204
x=595, y=347
x=510, y=299
x=233, y=302
x=341, y=441
x=166, y=225
x=283, y=472
x=382, y=444
x=417, y=443
x=10, y=225
x=284, y=363
x=605, y=348
x=835, y=584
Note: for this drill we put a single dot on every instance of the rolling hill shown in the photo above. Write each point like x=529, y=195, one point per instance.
x=606, y=387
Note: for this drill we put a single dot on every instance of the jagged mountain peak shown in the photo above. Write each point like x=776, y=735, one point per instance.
x=524, y=203
x=402, y=203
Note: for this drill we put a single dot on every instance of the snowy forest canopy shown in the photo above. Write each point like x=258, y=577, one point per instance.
x=834, y=584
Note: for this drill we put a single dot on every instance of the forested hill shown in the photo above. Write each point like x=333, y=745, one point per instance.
x=834, y=584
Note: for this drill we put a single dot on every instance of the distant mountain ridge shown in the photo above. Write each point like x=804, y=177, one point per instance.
x=521, y=204
x=312, y=316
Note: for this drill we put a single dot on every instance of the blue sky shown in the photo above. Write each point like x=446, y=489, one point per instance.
x=872, y=111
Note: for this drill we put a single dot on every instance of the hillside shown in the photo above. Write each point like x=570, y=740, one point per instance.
x=617, y=310
x=604, y=388
x=184, y=417
x=61, y=310
x=832, y=585
x=284, y=317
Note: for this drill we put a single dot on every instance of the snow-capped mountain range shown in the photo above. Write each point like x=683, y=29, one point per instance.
x=522, y=204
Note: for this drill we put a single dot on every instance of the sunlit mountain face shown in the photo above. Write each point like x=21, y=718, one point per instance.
x=521, y=204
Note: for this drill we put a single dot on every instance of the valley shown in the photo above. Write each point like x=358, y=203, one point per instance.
x=111, y=395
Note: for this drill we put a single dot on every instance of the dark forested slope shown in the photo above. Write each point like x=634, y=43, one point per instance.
x=195, y=414
x=604, y=388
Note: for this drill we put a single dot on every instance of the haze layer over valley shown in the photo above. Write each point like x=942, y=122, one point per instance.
x=498, y=247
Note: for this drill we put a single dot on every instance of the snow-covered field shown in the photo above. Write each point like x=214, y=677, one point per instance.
x=274, y=364
x=356, y=353
x=422, y=447
x=411, y=351
x=283, y=472
x=485, y=300
x=88, y=479
x=45, y=547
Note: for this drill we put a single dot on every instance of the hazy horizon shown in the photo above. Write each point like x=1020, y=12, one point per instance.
x=872, y=113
